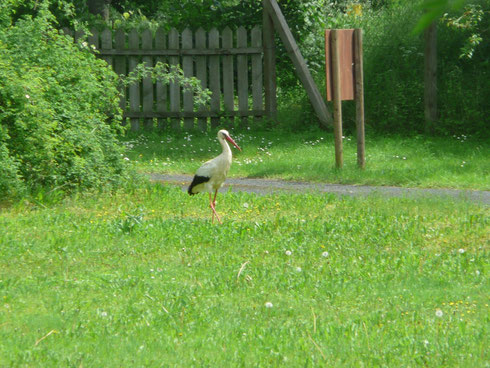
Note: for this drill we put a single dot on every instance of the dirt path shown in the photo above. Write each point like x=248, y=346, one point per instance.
x=265, y=186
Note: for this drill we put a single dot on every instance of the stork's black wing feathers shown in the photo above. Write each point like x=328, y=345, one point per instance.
x=196, y=181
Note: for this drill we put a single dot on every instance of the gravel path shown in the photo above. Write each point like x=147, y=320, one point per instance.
x=265, y=186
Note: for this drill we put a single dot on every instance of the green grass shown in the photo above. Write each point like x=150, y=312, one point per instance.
x=452, y=162
x=142, y=278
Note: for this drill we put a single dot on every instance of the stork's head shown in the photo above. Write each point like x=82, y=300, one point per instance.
x=223, y=134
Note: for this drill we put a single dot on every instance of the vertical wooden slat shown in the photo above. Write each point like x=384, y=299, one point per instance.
x=134, y=89
x=93, y=38
x=173, y=43
x=359, y=95
x=242, y=69
x=106, y=44
x=214, y=76
x=201, y=72
x=67, y=31
x=430, y=77
x=188, y=68
x=78, y=35
x=120, y=63
x=257, y=71
x=270, y=79
x=337, y=100
x=147, y=44
x=228, y=85
x=161, y=89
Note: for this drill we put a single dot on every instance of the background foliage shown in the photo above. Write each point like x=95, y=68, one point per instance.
x=393, y=58
x=59, y=113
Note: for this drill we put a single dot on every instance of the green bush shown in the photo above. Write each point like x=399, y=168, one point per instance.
x=59, y=114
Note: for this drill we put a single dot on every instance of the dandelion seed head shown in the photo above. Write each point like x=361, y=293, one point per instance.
x=325, y=254
x=268, y=305
x=288, y=252
x=461, y=251
x=439, y=313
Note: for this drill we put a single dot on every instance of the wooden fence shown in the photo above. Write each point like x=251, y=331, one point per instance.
x=228, y=63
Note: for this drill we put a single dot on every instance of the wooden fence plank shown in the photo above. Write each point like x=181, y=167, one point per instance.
x=270, y=78
x=201, y=73
x=160, y=88
x=188, y=68
x=93, y=39
x=214, y=76
x=134, y=89
x=228, y=85
x=257, y=85
x=106, y=44
x=242, y=77
x=120, y=63
x=214, y=66
x=147, y=44
x=173, y=43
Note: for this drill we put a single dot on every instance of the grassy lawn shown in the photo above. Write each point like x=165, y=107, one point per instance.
x=453, y=162
x=141, y=277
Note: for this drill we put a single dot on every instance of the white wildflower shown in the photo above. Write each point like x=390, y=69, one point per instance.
x=325, y=254
x=268, y=305
x=439, y=313
x=288, y=252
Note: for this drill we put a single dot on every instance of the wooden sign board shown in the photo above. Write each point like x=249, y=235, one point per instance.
x=346, y=56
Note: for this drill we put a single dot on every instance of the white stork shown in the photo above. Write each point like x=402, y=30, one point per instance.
x=212, y=174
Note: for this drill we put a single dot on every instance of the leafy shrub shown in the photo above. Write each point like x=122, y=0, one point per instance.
x=55, y=100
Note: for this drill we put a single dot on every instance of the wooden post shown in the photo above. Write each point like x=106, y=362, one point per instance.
x=147, y=83
x=337, y=100
x=257, y=85
x=430, y=77
x=228, y=72
x=242, y=76
x=188, y=68
x=201, y=73
x=359, y=96
x=174, y=90
x=134, y=88
x=214, y=77
x=270, y=79
x=161, y=89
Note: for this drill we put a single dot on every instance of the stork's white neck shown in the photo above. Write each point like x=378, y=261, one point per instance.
x=226, y=148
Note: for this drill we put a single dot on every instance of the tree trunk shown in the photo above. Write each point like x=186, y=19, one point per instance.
x=430, y=78
x=99, y=7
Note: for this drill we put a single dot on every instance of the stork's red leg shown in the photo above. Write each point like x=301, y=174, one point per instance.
x=211, y=204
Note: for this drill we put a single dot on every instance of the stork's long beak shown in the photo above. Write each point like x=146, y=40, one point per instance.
x=229, y=139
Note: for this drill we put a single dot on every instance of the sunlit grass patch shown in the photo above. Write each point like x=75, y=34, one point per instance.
x=453, y=162
x=141, y=277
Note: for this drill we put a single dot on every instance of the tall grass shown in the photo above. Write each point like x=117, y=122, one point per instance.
x=141, y=278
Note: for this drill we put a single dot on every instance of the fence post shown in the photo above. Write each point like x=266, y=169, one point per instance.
x=173, y=43
x=134, y=88
x=147, y=44
x=214, y=77
x=270, y=79
x=161, y=89
x=201, y=74
x=359, y=97
x=337, y=100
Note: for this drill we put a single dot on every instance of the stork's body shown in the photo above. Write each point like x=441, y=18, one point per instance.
x=212, y=174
